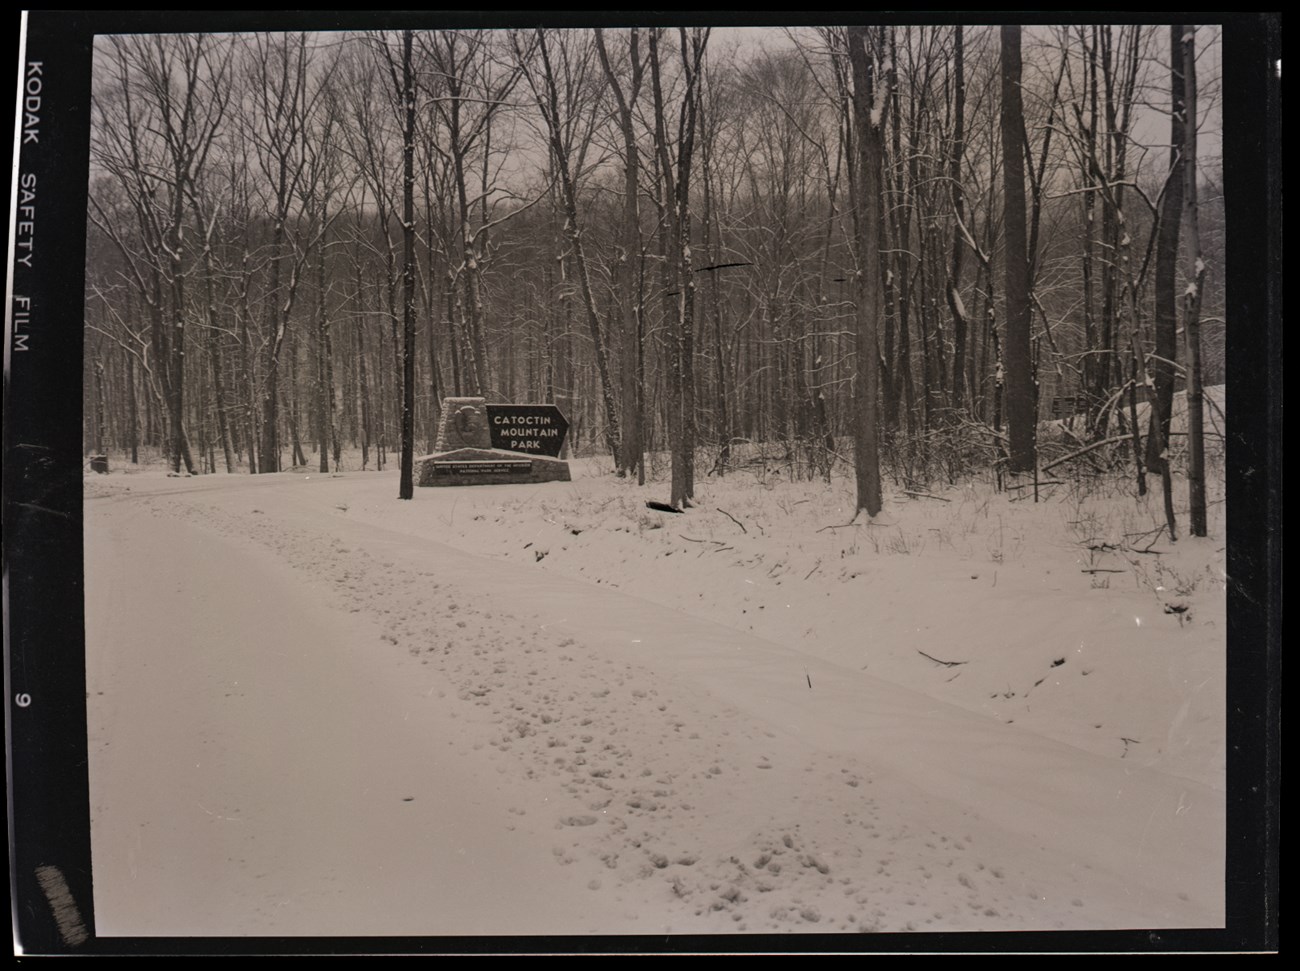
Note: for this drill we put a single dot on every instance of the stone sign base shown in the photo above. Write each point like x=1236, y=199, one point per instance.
x=487, y=466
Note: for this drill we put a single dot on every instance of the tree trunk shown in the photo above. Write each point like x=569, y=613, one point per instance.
x=406, y=488
x=363, y=390
x=98, y=427
x=214, y=358
x=722, y=422
x=955, y=305
x=1171, y=205
x=380, y=411
x=295, y=437
x=270, y=457
x=134, y=411
x=1192, y=299
x=625, y=327
x=568, y=194
x=1019, y=379
x=870, y=100
x=676, y=194
x=326, y=433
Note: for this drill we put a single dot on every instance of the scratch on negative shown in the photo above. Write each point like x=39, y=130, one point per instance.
x=39, y=508
x=229, y=819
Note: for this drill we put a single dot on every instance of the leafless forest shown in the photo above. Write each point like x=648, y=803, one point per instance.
x=901, y=248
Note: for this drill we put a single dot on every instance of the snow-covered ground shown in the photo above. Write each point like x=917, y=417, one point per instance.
x=318, y=710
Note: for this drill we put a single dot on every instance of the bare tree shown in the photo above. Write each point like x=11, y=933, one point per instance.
x=157, y=118
x=1020, y=383
x=1193, y=295
x=206, y=218
x=676, y=186
x=955, y=304
x=473, y=89
x=284, y=96
x=1166, y=303
x=404, y=96
x=628, y=328
x=871, y=83
x=569, y=137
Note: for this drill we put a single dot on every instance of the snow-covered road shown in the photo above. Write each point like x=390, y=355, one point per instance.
x=304, y=722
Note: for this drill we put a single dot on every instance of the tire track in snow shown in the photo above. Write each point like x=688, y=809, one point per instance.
x=691, y=806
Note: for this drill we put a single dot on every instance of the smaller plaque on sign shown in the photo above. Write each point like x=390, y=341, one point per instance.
x=479, y=468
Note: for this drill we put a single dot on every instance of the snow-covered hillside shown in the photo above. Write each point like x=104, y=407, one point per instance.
x=547, y=709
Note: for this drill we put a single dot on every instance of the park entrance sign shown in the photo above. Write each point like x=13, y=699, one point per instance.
x=482, y=444
x=530, y=429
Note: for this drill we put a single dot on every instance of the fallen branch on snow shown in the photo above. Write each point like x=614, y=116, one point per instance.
x=924, y=495
x=851, y=522
x=735, y=520
x=946, y=664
